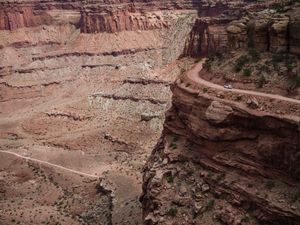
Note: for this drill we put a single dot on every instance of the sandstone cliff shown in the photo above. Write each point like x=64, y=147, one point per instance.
x=90, y=16
x=229, y=157
x=220, y=162
x=232, y=25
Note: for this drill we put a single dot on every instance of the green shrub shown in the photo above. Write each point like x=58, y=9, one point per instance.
x=173, y=145
x=290, y=67
x=172, y=212
x=254, y=54
x=270, y=184
x=221, y=176
x=247, y=72
x=246, y=219
x=170, y=179
x=277, y=58
x=264, y=68
x=210, y=204
x=295, y=80
x=278, y=6
x=175, y=138
x=241, y=61
x=262, y=81
x=239, y=98
x=295, y=196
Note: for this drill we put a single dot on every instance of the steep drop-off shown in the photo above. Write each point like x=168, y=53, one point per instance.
x=221, y=162
x=230, y=150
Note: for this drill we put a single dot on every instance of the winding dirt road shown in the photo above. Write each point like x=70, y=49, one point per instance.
x=193, y=75
x=50, y=164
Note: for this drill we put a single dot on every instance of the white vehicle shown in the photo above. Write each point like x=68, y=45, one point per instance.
x=228, y=86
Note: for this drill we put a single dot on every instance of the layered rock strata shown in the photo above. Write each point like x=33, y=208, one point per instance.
x=90, y=16
x=221, y=162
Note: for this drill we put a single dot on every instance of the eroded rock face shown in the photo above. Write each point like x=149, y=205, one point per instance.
x=90, y=16
x=85, y=88
x=218, y=112
x=266, y=31
x=237, y=166
x=295, y=32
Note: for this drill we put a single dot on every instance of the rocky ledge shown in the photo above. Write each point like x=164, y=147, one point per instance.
x=219, y=162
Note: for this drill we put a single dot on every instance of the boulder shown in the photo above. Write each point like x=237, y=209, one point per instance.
x=217, y=112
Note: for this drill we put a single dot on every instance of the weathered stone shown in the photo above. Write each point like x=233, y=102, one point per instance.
x=218, y=112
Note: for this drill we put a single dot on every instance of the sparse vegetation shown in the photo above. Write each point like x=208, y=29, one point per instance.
x=210, y=174
x=172, y=212
x=210, y=204
x=254, y=54
x=173, y=145
x=239, y=98
x=270, y=184
x=247, y=72
x=278, y=6
x=277, y=58
x=264, y=68
x=221, y=176
x=240, y=63
x=175, y=138
x=246, y=219
x=250, y=185
x=262, y=81
x=170, y=179
x=294, y=81
x=295, y=196
x=207, y=64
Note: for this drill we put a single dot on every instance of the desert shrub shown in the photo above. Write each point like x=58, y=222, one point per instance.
x=239, y=98
x=175, y=138
x=264, y=68
x=207, y=64
x=247, y=72
x=295, y=80
x=278, y=6
x=290, y=67
x=173, y=145
x=241, y=61
x=254, y=54
x=277, y=58
x=210, y=204
x=221, y=176
x=170, y=179
x=262, y=81
x=172, y=212
x=246, y=219
x=270, y=184
x=292, y=2
x=295, y=196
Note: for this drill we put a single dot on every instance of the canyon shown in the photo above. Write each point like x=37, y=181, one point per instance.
x=115, y=112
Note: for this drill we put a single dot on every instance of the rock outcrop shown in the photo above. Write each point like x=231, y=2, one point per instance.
x=90, y=16
x=232, y=25
x=267, y=30
x=219, y=162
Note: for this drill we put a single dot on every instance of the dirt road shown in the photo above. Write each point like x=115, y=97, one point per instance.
x=193, y=75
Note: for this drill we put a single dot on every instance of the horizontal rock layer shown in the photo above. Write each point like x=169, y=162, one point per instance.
x=217, y=163
x=90, y=16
